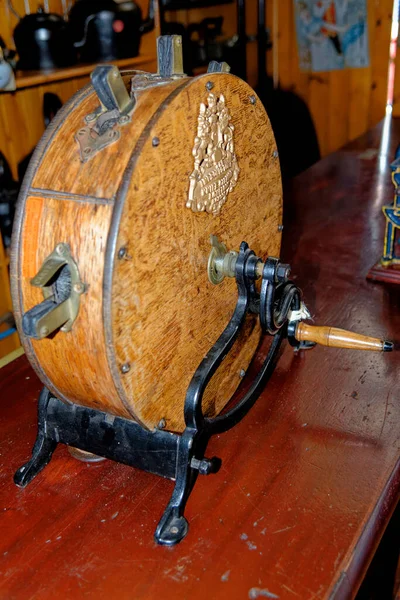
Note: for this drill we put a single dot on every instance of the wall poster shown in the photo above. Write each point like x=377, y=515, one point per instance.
x=331, y=34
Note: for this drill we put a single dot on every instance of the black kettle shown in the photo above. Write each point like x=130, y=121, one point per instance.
x=107, y=30
x=43, y=41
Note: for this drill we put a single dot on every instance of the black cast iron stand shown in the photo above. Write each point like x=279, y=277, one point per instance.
x=175, y=456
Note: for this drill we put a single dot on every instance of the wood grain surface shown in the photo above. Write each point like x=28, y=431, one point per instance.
x=309, y=478
x=337, y=338
x=73, y=205
x=155, y=310
x=344, y=103
x=166, y=314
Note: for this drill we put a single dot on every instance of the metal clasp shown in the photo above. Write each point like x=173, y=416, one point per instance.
x=62, y=288
x=116, y=106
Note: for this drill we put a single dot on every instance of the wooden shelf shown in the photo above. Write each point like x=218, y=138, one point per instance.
x=26, y=79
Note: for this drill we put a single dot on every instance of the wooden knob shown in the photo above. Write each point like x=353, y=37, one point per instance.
x=340, y=338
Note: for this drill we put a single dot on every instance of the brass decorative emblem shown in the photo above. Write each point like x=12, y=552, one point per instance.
x=215, y=166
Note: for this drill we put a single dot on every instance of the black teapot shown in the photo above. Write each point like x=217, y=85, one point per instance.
x=107, y=30
x=43, y=41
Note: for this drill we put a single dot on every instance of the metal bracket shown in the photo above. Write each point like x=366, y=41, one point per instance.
x=169, y=56
x=59, y=279
x=218, y=67
x=176, y=456
x=116, y=106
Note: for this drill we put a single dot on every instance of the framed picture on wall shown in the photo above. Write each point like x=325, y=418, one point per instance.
x=331, y=34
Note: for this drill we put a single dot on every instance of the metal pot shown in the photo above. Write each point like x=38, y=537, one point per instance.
x=43, y=41
x=106, y=30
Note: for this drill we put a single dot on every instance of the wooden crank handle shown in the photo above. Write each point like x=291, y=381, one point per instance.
x=340, y=338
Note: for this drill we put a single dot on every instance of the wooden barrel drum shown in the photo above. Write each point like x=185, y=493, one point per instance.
x=134, y=212
x=135, y=203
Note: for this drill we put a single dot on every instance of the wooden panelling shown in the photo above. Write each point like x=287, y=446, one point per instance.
x=396, y=86
x=10, y=343
x=21, y=112
x=343, y=104
x=21, y=118
x=229, y=28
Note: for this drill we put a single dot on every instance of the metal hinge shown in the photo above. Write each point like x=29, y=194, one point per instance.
x=116, y=106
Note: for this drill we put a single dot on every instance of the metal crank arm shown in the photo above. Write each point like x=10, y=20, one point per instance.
x=193, y=442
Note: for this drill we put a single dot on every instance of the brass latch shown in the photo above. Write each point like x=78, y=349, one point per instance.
x=62, y=288
x=116, y=106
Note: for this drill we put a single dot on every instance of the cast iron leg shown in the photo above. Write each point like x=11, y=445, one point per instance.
x=43, y=448
x=173, y=526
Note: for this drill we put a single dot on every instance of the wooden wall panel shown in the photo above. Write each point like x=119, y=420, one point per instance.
x=21, y=121
x=343, y=104
x=396, y=86
x=10, y=343
x=228, y=12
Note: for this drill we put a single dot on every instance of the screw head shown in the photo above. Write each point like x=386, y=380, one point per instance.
x=174, y=529
x=79, y=288
x=253, y=99
x=209, y=85
x=280, y=227
x=275, y=154
x=161, y=424
x=155, y=142
x=61, y=249
x=44, y=331
x=122, y=252
x=242, y=373
x=125, y=368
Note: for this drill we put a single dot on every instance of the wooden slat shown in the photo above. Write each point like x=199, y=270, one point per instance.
x=10, y=343
x=26, y=79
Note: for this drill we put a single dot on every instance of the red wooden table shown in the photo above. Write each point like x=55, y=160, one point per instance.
x=309, y=478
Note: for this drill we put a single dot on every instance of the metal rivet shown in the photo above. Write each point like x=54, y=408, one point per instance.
x=280, y=227
x=155, y=142
x=174, y=530
x=44, y=331
x=242, y=373
x=125, y=368
x=121, y=253
x=179, y=41
x=275, y=154
x=253, y=99
x=209, y=85
x=79, y=288
x=61, y=248
x=161, y=424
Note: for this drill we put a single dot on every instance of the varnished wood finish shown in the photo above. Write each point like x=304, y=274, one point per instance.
x=10, y=343
x=22, y=110
x=74, y=365
x=165, y=313
x=337, y=338
x=390, y=274
x=309, y=478
x=26, y=79
x=343, y=103
x=158, y=309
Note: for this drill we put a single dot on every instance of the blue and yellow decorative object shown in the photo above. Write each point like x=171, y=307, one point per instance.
x=388, y=268
x=392, y=214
